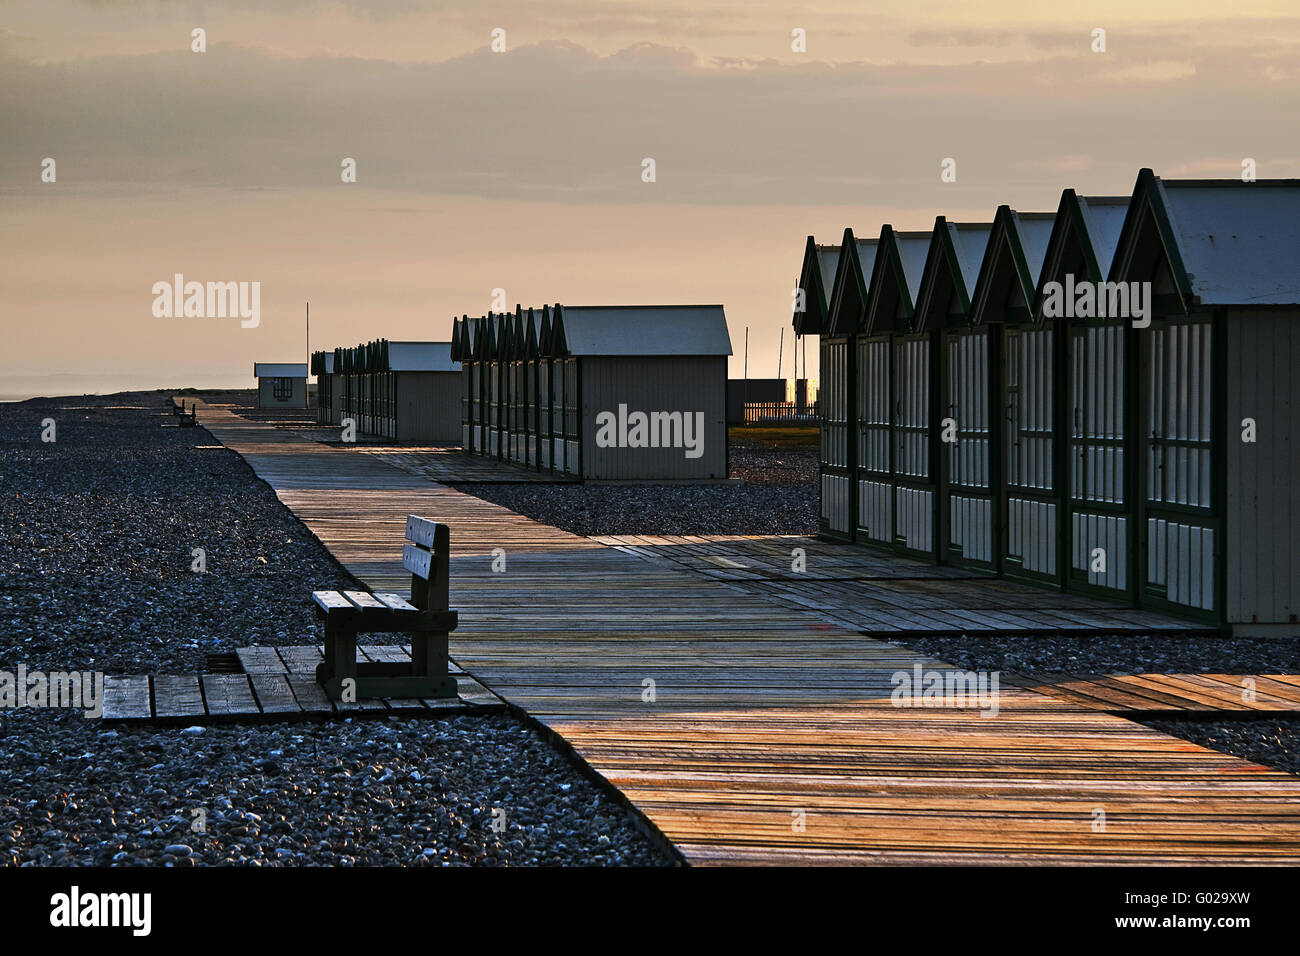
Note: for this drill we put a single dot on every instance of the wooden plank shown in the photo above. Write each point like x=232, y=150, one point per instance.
x=177, y=696
x=364, y=600
x=228, y=695
x=274, y=695
x=421, y=531
x=330, y=600
x=126, y=698
x=260, y=660
x=416, y=561
x=311, y=698
x=396, y=602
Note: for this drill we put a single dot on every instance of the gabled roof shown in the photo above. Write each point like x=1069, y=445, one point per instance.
x=639, y=330
x=1082, y=241
x=951, y=270
x=279, y=369
x=816, y=279
x=900, y=263
x=322, y=363
x=1217, y=242
x=1013, y=260
x=852, y=285
x=420, y=357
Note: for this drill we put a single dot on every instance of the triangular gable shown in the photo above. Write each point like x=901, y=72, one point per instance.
x=1012, y=262
x=900, y=263
x=816, y=279
x=559, y=346
x=532, y=326
x=952, y=263
x=544, y=334
x=1082, y=241
x=852, y=285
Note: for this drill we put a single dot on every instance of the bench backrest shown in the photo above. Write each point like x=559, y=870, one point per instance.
x=427, y=555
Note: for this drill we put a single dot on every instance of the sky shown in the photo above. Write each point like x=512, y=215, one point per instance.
x=522, y=170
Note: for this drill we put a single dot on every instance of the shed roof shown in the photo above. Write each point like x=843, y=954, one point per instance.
x=640, y=330
x=1225, y=242
x=421, y=357
x=279, y=369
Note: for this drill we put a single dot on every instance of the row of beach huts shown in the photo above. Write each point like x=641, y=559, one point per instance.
x=630, y=393
x=1100, y=399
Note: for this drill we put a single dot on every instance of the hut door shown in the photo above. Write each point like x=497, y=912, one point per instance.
x=913, y=474
x=874, y=477
x=1099, y=524
x=1178, y=528
x=970, y=509
x=1031, y=510
x=833, y=406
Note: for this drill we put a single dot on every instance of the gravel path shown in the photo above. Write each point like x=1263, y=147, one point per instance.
x=1273, y=743
x=96, y=532
x=776, y=494
x=1113, y=654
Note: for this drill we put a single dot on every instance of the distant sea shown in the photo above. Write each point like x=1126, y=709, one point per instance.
x=19, y=388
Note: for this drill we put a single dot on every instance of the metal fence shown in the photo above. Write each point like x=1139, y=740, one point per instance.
x=780, y=413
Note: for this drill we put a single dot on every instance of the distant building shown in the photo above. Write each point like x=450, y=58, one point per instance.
x=634, y=393
x=281, y=384
x=767, y=391
x=405, y=391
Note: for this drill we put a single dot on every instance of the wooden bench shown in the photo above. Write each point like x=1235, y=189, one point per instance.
x=425, y=618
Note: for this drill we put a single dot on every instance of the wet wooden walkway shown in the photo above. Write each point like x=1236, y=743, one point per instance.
x=752, y=730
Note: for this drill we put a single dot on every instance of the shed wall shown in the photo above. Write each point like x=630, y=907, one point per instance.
x=1263, y=478
x=655, y=383
x=429, y=406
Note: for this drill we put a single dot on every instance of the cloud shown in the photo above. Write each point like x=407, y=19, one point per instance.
x=556, y=121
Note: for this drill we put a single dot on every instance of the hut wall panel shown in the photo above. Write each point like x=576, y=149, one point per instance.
x=1180, y=558
x=1029, y=427
x=971, y=526
x=833, y=404
x=1109, y=532
x=835, y=502
x=1262, y=529
x=968, y=456
x=912, y=405
x=338, y=389
x=875, y=510
x=1031, y=534
x=686, y=384
x=1177, y=447
x=914, y=508
x=874, y=414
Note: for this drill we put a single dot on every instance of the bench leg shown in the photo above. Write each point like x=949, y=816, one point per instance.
x=340, y=661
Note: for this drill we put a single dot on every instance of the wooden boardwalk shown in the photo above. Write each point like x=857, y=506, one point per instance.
x=278, y=683
x=751, y=730
x=866, y=590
